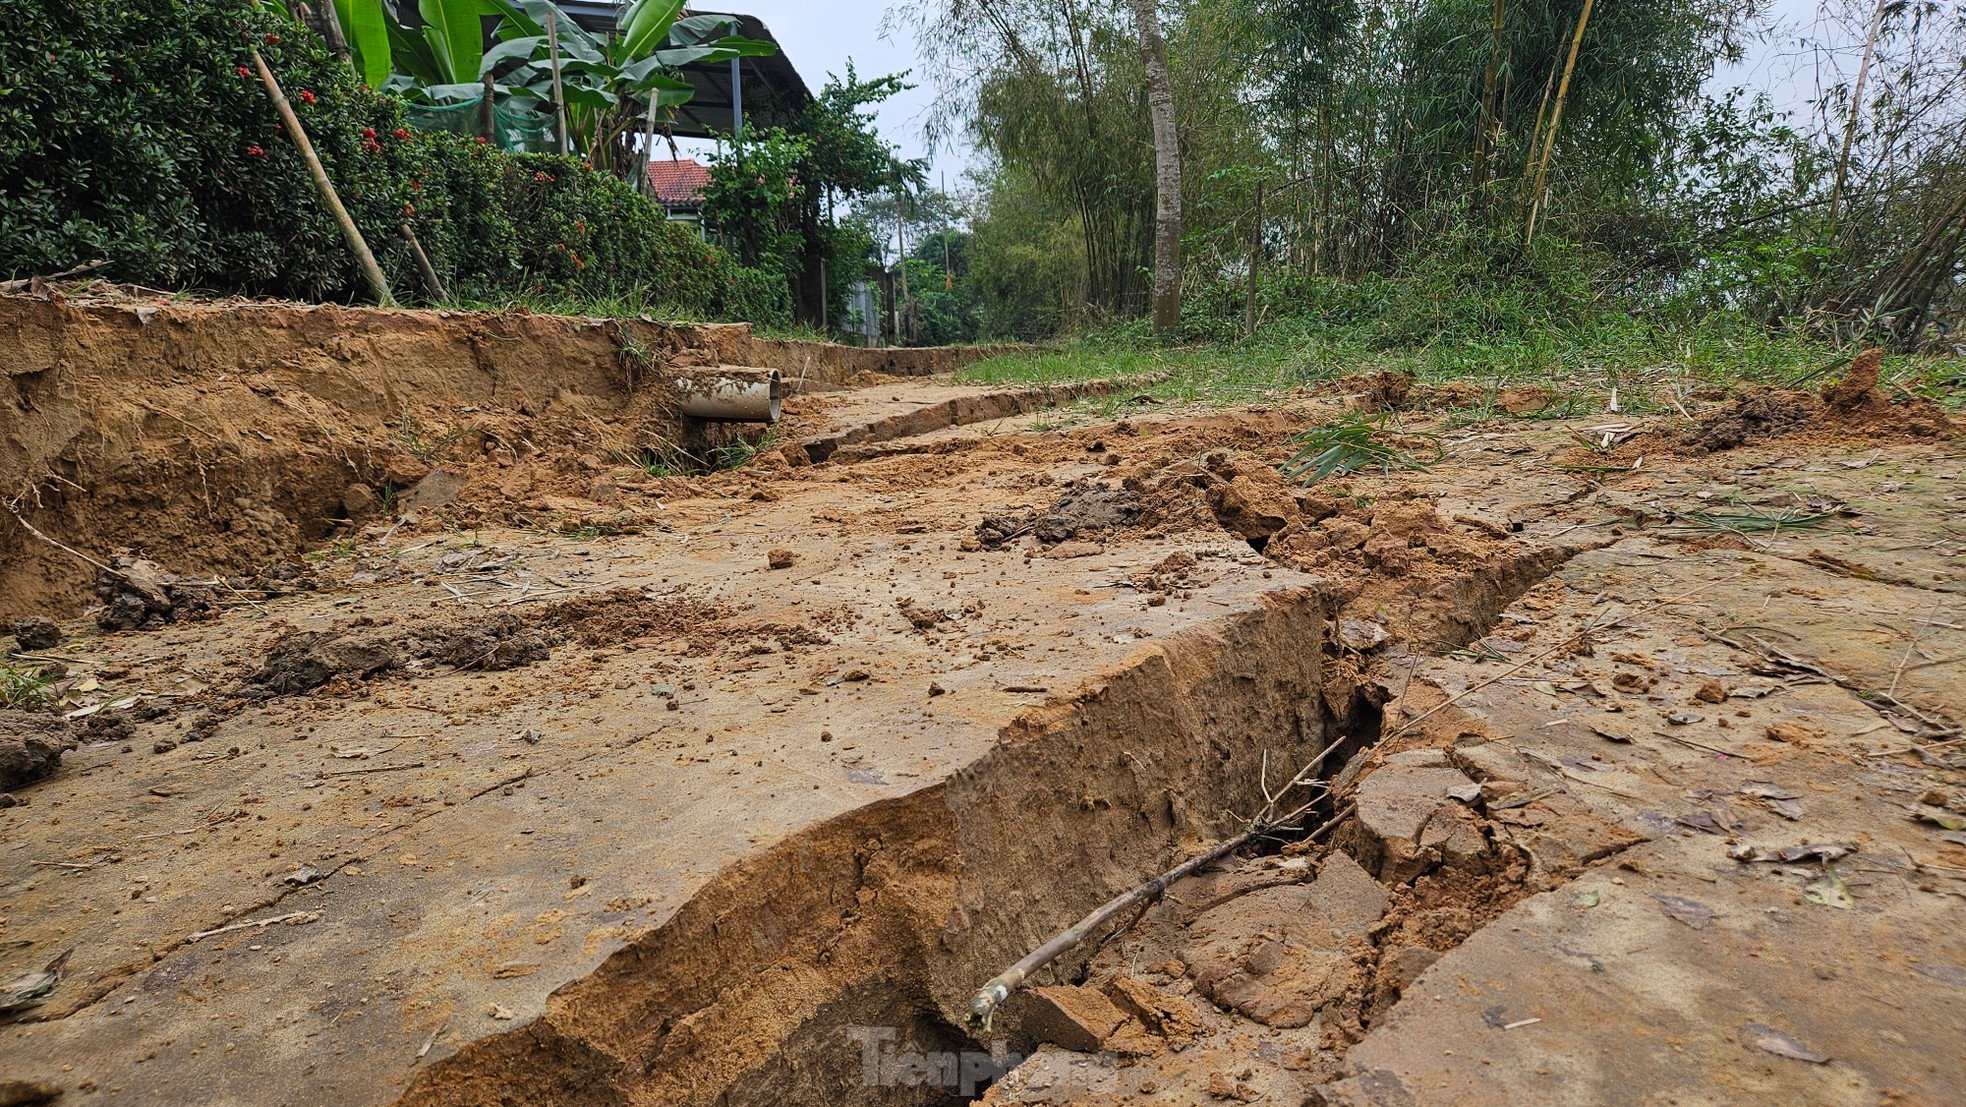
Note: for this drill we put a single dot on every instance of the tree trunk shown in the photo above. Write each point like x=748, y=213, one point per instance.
x=1167, y=170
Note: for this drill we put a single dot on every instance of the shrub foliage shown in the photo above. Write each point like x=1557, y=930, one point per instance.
x=139, y=135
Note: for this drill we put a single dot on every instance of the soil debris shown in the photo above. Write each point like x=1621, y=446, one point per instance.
x=31, y=746
x=1757, y=415
x=305, y=660
x=1858, y=388
x=1385, y=390
x=625, y=614
x=36, y=633
x=141, y=595
x=1085, y=509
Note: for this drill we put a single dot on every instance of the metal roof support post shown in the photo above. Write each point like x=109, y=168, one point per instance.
x=736, y=98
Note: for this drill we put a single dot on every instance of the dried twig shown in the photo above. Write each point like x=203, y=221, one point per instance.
x=292, y=917
x=984, y=1004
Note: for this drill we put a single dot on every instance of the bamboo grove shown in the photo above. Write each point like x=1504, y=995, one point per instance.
x=1596, y=145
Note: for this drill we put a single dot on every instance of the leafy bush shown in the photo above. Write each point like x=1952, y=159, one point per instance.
x=168, y=162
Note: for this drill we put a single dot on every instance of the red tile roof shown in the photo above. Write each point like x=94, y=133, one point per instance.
x=678, y=181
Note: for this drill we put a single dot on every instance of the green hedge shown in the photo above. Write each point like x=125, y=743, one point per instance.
x=138, y=133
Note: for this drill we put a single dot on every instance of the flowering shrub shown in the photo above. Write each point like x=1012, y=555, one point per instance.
x=169, y=163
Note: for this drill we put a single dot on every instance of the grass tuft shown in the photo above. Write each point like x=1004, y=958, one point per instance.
x=1346, y=445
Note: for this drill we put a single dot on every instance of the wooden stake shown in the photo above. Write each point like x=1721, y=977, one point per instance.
x=378, y=284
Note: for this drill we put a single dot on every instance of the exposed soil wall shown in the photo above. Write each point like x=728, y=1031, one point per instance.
x=889, y=916
x=218, y=438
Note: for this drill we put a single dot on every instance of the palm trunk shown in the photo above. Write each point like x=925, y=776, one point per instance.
x=1167, y=170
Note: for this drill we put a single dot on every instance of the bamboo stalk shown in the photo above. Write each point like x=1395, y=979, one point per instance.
x=1488, y=132
x=559, y=93
x=431, y=282
x=1556, y=118
x=349, y=231
x=1856, y=109
x=489, y=120
x=1536, y=139
x=1255, y=266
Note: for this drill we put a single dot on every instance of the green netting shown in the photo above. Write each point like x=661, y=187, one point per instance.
x=525, y=132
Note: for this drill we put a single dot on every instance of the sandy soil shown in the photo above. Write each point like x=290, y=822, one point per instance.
x=659, y=794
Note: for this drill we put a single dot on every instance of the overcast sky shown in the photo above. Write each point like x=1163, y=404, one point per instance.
x=818, y=36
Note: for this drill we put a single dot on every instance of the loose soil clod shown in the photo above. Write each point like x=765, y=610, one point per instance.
x=31, y=745
x=1084, y=509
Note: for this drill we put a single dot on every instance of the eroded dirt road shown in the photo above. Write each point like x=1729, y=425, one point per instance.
x=509, y=815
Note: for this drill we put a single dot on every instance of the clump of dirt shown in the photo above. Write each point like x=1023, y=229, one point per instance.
x=35, y=633
x=1756, y=415
x=1086, y=508
x=1252, y=502
x=140, y=595
x=1171, y=574
x=31, y=746
x=1384, y=390
x=308, y=659
x=1858, y=388
x=624, y=614
x=492, y=645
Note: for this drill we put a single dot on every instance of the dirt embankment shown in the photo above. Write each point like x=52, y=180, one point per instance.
x=222, y=438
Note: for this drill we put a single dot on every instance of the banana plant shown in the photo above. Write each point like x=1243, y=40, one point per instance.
x=610, y=83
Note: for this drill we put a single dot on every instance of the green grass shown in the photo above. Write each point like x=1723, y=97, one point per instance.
x=1346, y=445
x=1652, y=367
x=25, y=687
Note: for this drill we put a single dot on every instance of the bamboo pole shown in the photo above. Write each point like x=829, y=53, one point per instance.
x=1486, y=135
x=431, y=282
x=559, y=93
x=349, y=231
x=1535, y=140
x=1255, y=267
x=1856, y=109
x=1556, y=118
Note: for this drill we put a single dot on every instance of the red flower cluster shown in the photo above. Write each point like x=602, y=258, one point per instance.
x=402, y=134
x=243, y=71
x=272, y=39
x=255, y=152
x=483, y=141
x=409, y=210
x=541, y=177
x=369, y=143
x=306, y=97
